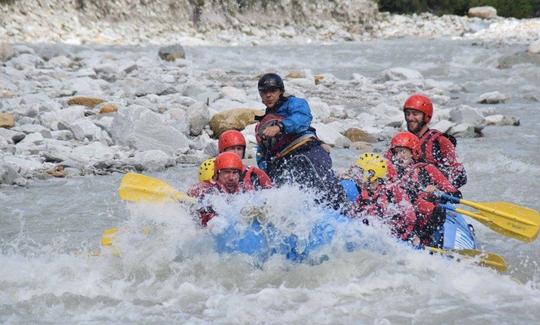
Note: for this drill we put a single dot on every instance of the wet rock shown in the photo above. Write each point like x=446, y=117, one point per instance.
x=6, y=51
x=7, y=120
x=359, y=135
x=443, y=125
x=463, y=130
x=466, y=114
x=8, y=173
x=61, y=119
x=25, y=166
x=236, y=119
x=57, y=171
x=198, y=118
x=85, y=101
x=142, y=129
x=172, y=52
x=318, y=79
x=31, y=128
x=107, y=108
x=499, y=119
x=92, y=153
x=25, y=62
x=12, y=136
x=153, y=159
x=319, y=109
x=329, y=134
x=484, y=12
x=534, y=47
x=84, y=128
x=62, y=135
x=493, y=97
x=399, y=74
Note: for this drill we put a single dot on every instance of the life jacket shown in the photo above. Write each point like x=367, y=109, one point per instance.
x=430, y=150
x=391, y=204
x=255, y=178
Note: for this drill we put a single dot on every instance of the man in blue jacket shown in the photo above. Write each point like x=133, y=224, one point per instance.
x=288, y=147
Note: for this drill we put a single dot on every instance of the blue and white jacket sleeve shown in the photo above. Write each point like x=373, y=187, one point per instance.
x=297, y=115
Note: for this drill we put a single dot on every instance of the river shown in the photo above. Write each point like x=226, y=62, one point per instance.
x=48, y=228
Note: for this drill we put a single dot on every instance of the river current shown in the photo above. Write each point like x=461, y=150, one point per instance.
x=172, y=276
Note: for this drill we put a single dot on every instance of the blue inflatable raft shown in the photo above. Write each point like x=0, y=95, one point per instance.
x=263, y=240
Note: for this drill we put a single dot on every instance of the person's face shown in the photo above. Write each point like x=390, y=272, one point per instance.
x=229, y=178
x=403, y=156
x=239, y=150
x=270, y=97
x=415, y=120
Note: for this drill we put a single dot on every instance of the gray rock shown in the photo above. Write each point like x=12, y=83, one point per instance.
x=8, y=173
x=153, y=159
x=172, y=52
x=84, y=128
x=92, y=153
x=443, y=125
x=25, y=61
x=142, y=129
x=12, y=136
x=463, y=130
x=400, y=74
x=29, y=128
x=466, y=114
x=499, y=119
x=65, y=135
x=493, y=97
x=199, y=117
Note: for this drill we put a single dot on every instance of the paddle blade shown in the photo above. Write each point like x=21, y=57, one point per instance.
x=108, y=236
x=508, y=219
x=490, y=260
x=140, y=188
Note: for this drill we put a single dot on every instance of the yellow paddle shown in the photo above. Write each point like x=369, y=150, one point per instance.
x=490, y=260
x=139, y=188
x=506, y=218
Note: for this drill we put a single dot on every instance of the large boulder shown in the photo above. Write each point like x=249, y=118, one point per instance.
x=7, y=120
x=484, y=12
x=198, y=117
x=493, y=97
x=359, y=135
x=172, y=52
x=236, y=119
x=466, y=114
x=142, y=129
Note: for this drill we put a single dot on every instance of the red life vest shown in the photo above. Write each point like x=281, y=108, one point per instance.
x=390, y=203
x=262, y=179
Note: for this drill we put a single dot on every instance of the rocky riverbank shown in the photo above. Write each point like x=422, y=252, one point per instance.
x=76, y=110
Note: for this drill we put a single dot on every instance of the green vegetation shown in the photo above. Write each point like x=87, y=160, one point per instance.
x=505, y=8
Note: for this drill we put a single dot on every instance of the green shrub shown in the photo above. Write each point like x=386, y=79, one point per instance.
x=505, y=8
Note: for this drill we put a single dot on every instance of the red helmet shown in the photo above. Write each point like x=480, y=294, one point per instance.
x=231, y=138
x=228, y=160
x=405, y=139
x=420, y=103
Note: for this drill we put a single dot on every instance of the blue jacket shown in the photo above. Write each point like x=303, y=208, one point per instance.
x=297, y=120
